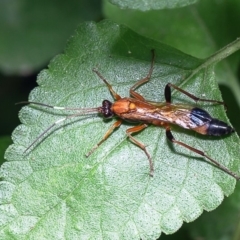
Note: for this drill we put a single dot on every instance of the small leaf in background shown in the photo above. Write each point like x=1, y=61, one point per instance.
x=54, y=191
x=145, y=5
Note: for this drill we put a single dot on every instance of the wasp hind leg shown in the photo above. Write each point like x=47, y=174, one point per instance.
x=217, y=164
x=168, y=95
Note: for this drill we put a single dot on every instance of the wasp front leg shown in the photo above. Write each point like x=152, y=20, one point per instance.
x=115, y=95
x=142, y=81
x=107, y=134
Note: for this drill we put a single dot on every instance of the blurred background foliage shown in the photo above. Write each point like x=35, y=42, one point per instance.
x=32, y=34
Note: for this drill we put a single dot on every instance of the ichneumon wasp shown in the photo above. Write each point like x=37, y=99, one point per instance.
x=137, y=109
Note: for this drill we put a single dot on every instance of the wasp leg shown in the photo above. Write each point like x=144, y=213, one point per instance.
x=115, y=95
x=141, y=145
x=107, y=134
x=220, y=166
x=168, y=95
x=142, y=81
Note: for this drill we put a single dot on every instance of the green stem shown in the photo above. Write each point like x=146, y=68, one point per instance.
x=219, y=55
x=223, y=53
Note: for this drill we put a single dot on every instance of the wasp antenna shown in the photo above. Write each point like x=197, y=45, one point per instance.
x=35, y=103
x=23, y=102
x=40, y=136
x=57, y=107
x=83, y=112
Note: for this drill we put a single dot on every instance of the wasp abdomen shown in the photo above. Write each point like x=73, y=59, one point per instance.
x=208, y=125
x=218, y=128
x=199, y=116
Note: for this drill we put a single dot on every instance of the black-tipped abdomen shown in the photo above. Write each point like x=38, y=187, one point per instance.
x=218, y=128
x=207, y=125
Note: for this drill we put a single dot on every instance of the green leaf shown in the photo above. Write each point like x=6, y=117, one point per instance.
x=54, y=191
x=146, y=5
x=31, y=34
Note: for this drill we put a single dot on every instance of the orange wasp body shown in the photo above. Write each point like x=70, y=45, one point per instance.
x=159, y=114
x=137, y=109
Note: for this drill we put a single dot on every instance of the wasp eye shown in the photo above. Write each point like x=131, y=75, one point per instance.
x=106, y=109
